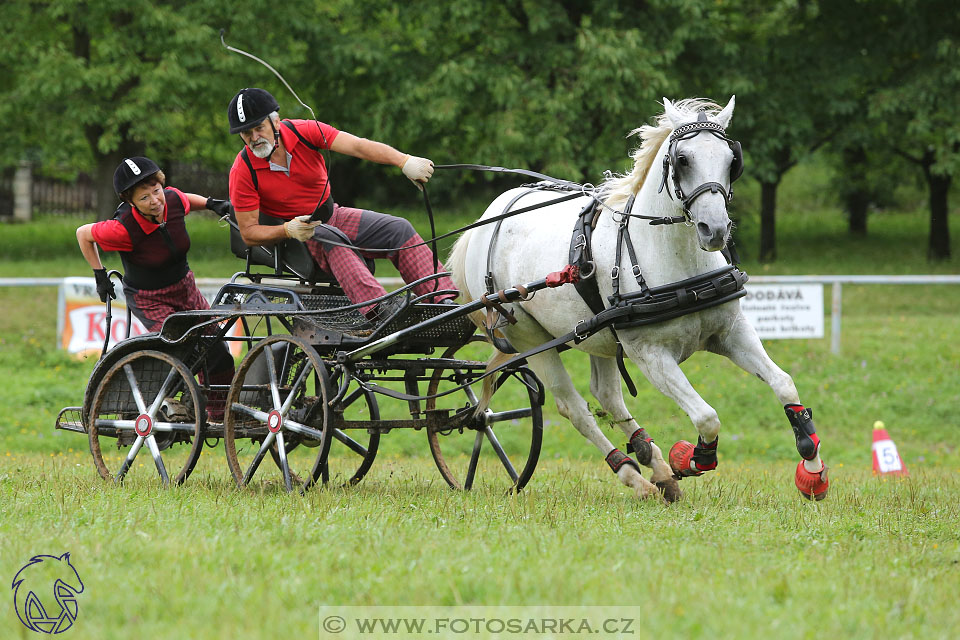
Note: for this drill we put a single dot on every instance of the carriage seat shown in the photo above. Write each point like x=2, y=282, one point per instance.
x=288, y=257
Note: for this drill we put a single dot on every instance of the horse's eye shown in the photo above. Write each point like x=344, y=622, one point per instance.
x=682, y=161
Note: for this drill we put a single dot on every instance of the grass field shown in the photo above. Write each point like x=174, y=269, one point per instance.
x=741, y=556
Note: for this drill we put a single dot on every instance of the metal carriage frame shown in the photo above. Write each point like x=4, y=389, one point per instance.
x=305, y=394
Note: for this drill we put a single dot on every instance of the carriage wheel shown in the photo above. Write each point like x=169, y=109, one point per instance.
x=352, y=451
x=146, y=399
x=501, y=447
x=277, y=405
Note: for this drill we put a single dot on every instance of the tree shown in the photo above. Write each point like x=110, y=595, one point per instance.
x=552, y=86
x=907, y=58
x=922, y=123
x=97, y=81
x=761, y=52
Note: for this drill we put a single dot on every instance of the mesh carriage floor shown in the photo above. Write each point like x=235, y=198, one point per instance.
x=351, y=322
x=328, y=316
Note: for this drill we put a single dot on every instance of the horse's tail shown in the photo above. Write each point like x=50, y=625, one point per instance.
x=497, y=359
x=457, y=264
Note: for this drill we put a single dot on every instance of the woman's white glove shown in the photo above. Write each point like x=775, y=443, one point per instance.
x=300, y=228
x=418, y=170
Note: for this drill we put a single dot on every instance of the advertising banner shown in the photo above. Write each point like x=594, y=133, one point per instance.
x=82, y=318
x=784, y=310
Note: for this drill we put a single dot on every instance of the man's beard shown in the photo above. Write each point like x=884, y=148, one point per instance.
x=263, y=149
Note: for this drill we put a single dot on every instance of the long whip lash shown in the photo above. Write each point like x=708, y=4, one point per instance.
x=267, y=65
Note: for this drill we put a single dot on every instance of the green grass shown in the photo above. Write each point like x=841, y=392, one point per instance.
x=742, y=555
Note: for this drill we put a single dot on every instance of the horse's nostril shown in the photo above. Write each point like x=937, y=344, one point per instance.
x=703, y=228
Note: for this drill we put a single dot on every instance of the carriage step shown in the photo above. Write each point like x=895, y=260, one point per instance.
x=70, y=419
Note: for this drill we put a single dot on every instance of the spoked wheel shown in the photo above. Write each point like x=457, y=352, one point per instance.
x=147, y=399
x=502, y=445
x=352, y=451
x=277, y=409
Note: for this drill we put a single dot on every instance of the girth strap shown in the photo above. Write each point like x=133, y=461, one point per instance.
x=581, y=255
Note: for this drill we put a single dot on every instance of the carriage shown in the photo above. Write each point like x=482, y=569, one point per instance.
x=304, y=406
x=655, y=280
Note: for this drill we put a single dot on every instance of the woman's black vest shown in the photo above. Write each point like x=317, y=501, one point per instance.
x=158, y=259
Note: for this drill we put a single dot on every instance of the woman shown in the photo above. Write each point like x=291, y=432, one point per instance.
x=149, y=232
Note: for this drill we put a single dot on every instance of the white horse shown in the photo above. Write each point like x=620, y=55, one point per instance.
x=698, y=165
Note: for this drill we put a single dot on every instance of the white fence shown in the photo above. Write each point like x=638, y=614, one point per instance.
x=836, y=283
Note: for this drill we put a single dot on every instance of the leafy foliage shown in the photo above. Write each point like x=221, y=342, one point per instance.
x=551, y=85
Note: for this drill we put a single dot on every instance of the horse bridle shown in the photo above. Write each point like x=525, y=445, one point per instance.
x=689, y=130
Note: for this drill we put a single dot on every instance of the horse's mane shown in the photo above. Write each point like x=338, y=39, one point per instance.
x=617, y=189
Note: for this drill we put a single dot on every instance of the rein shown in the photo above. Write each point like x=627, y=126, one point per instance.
x=577, y=190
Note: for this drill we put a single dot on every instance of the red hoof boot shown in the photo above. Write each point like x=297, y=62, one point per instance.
x=812, y=486
x=681, y=455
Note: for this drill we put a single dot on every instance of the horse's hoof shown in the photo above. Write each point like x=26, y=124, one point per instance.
x=670, y=489
x=812, y=486
x=681, y=454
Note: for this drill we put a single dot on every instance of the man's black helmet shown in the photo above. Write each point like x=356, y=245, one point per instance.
x=249, y=108
x=133, y=171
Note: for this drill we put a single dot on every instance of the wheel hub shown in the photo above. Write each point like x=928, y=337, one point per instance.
x=143, y=425
x=274, y=421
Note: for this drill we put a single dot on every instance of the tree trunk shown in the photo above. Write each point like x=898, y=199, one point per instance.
x=857, y=204
x=768, y=219
x=107, y=163
x=856, y=198
x=938, y=247
x=107, y=199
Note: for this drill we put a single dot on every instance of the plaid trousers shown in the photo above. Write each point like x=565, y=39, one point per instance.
x=152, y=306
x=374, y=230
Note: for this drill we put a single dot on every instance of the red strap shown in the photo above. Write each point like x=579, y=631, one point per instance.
x=570, y=273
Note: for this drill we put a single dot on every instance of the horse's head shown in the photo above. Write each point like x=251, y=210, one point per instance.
x=699, y=166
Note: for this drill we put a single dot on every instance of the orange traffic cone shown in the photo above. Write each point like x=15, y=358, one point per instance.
x=886, y=458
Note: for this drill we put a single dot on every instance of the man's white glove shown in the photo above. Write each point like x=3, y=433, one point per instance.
x=418, y=169
x=300, y=228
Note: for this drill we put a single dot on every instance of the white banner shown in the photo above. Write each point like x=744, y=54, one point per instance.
x=784, y=310
x=82, y=318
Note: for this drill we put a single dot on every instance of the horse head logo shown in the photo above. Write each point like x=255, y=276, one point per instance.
x=45, y=593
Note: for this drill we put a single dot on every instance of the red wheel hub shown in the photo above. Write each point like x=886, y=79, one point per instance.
x=143, y=425
x=274, y=421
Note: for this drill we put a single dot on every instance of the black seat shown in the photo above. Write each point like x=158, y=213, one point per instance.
x=287, y=257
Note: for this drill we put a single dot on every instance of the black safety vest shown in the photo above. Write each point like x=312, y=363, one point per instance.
x=158, y=259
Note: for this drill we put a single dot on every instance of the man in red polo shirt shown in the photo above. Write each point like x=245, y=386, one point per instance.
x=279, y=180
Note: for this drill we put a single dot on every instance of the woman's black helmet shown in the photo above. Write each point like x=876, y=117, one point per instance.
x=249, y=108
x=133, y=171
